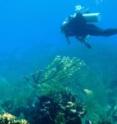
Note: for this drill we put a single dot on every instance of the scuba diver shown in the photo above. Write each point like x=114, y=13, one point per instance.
x=81, y=25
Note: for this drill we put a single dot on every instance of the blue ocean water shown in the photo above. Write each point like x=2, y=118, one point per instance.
x=30, y=36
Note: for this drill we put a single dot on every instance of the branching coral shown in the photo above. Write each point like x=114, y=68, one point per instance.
x=58, y=75
x=63, y=68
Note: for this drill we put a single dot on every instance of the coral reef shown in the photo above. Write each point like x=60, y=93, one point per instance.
x=55, y=108
x=62, y=73
x=65, y=92
x=54, y=99
x=7, y=118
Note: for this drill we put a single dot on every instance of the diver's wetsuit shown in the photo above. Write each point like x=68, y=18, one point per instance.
x=93, y=30
x=77, y=26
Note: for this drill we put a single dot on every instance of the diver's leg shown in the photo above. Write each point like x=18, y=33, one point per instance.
x=96, y=31
x=87, y=45
x=109, y=32
x=83, y=40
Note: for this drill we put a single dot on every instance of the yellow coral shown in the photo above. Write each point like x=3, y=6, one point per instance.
x=7, y=118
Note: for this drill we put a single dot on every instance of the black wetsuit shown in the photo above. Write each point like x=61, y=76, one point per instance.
x=93, y=30
x=77, y=26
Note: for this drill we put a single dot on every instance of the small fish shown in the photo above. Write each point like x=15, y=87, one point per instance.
x=88, y=92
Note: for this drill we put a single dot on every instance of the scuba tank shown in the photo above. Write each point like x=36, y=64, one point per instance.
x=91, y=17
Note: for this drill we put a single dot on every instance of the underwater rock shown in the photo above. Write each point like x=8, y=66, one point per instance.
x=54, y=108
